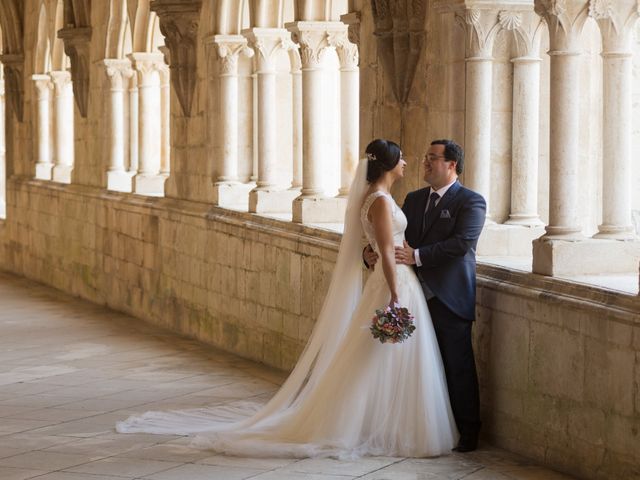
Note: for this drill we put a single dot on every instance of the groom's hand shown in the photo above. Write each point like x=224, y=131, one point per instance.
x=405, y=255
x=370, y=257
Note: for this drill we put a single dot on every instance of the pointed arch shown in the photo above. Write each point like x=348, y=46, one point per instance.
x=59, y=60
x=42, y=57
x=118, y=30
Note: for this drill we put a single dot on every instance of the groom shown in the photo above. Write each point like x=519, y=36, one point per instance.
x=444, y=223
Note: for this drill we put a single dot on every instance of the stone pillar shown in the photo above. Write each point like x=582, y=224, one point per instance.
x=616, y=27
x=526, y=27
x=3, y=171
x=165, y=109
x=134, y=120
x=44, y=164
x=312, y=205
x=148, y=67
x=349, y=111
x=296, y=106
x=63, y=125
x=225, y=51
x=480, y=27
x=118, y=73
x=267, y=196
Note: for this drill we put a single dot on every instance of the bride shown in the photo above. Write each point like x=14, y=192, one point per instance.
x=349, y=395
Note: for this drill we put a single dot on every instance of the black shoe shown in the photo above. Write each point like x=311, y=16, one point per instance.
x=465, y=447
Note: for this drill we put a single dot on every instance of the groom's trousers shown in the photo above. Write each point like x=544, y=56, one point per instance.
x=454, y=338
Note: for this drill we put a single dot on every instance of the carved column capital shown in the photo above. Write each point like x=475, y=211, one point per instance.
x=60, y=80
x=228, y=49
x=179, y=23
x=14, y=81
x=347, y=51
x=144, y=64
x=616, y=20
x=565, y=19
x=43, y=84
x=525, y=27
x=266, y=42
x=118, y=71
x=313, y=39
x=77, y=42
x=480, y=28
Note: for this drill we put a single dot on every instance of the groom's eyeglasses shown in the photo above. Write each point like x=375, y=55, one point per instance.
x=433, y=158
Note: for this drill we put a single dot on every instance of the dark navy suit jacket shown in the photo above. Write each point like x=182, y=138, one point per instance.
x=447, y=244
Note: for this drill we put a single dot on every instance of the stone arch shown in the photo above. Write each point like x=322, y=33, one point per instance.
x=42, y=57
x=232, y=16
x=321, y=10
x=271, y=13
x=118, y=40
x=59, y=60
x=11, y=13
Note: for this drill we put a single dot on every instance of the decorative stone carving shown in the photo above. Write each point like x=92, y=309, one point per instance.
x=481, y=27
x=565, y=20
x=76, y=46
x=353, y=20
x=400, y=33
x=347, y=51
x=14, y=82
x=179, y=23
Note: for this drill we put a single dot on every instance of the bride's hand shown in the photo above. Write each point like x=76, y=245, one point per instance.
x=394, y=301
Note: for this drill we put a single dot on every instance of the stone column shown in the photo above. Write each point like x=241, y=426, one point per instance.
x=132, y=167
x=225, y=50
x=44, y=164
x=312, y=205
x=165, y=109
x=296, y=106
x=148, y=180
x=616, y=27
x=63, y=125
x=526, y=28
x=3, y=171
x=480, y=27
x=267, y=196
x=349, y=111
x=118, y=73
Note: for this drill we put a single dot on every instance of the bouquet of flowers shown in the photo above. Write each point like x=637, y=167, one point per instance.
x=392, y=324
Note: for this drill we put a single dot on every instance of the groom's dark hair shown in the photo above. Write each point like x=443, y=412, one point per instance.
x=452, y=151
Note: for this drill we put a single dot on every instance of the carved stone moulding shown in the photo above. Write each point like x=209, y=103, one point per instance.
x=77, y=41
x=179, y=23
x=14, y=82
x=457, y=5
x=400, y=34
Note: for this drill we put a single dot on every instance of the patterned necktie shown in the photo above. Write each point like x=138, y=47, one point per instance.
x=433, y=198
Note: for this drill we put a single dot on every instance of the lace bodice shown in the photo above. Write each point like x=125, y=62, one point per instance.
x=398, y=218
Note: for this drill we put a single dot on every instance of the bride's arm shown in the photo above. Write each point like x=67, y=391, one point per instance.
x=380, y=217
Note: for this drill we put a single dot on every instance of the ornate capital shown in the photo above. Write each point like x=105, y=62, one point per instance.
x=525, y=27
x=229, y=48
x=117, y=71
x=77, y=42
x=179, y=23
x=266, y=42
x=60, y=79
x=481, y=27
x=313, y=39
x=347, y=51
x=144, y=64
x=616, y=21
x=43, y=85
x=565, y=19
x=14, y=83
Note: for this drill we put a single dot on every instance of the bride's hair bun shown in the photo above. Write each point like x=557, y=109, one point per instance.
x=382, y=155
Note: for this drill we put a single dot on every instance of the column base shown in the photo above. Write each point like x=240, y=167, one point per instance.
x=524, y=220
x=586, y=257
x=319, y=209
x=508, y=240
x=44, y=171
x=119, y=181
x=62, y=173
x=271, y=201
x=232, y=194
x=613, y=232
x=150, y=185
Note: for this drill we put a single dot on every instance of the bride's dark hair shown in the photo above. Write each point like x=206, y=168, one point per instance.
x=382, y=155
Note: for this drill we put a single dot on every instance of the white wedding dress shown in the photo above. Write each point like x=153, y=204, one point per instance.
x=349, y=395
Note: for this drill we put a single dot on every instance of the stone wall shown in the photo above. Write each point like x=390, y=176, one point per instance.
x=559, y=362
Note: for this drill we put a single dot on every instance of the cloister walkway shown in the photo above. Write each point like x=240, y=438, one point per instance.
x=69, y=370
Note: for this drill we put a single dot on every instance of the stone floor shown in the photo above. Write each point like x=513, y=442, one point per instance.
x=69, y=370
